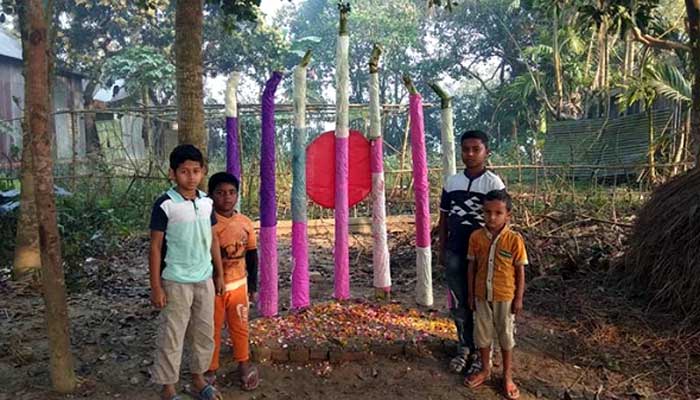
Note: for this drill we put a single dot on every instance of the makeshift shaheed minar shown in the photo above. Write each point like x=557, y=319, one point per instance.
x=322, y=171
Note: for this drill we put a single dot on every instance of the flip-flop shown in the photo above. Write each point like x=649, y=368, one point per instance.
x=511, y=392
x=250, y=380
x=208, y=392
x=473, y=381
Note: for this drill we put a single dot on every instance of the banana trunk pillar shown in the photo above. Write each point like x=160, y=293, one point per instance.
x=424, y=285
x=233, y=152
x=380, y=258
x=268, y=202
x=300, y=247
x=449, y=166
x=342, y=133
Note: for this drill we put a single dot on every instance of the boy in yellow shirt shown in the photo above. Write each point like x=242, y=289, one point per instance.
x=497, y=260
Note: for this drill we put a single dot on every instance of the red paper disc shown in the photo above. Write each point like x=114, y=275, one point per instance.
x=320, y=169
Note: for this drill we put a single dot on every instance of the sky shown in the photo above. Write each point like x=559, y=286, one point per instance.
x=215, y=87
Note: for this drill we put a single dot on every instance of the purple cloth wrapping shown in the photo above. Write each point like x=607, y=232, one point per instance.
x=341, y=253
x=268, y=199
x=300, y=275
x=420, y=172
x=268, y=271
x=233, y=153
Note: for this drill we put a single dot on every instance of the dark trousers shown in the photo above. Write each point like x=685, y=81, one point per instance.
x=456, y=274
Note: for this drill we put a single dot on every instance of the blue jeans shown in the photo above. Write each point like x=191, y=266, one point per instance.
x=456, y=276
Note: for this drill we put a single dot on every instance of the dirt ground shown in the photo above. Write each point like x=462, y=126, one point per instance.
x=581, y=337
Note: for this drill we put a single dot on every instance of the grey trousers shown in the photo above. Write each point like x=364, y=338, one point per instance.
x=456, y=275
x=189, y=312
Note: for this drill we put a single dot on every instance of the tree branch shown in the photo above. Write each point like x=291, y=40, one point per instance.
x=651, y=41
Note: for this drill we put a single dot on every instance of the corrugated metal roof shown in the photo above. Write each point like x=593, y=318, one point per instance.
x=10, y=46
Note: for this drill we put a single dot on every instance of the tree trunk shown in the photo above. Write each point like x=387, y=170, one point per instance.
x=629, y=57
x=652, y=147
x=693, y=8
x=146, y=127
x=27, y=259
x=602, y=73
x=189, y=22
x=589, y=57
x=557, y=61
x=38, y=106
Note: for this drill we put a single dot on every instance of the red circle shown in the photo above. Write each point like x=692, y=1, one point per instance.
x=320, y=169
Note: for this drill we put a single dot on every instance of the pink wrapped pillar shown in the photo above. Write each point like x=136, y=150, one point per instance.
x=424, y=288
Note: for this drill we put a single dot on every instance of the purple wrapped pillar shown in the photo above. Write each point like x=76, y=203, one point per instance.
x=268, y=202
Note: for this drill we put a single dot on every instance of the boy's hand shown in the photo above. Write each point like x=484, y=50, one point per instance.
x=472, y=303
x=158, y=297
x=252, y=297
x=517, y=306
x=219, y=285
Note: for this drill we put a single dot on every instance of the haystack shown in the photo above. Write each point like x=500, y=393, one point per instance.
x=664, y=254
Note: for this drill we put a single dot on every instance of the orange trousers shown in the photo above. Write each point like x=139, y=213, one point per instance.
x=232, y=307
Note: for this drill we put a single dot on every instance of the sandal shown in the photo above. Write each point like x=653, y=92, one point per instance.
x=511, y=392
x=250, y=377
x=473, y=381
x=208, y=392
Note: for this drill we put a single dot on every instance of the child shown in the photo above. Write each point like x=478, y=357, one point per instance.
x=460, y=215
x=182, y=250
x=497, y=260
x=236, y=238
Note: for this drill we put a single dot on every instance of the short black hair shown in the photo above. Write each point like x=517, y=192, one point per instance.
x=222, y=177
x=475, y=134
x=500, y=195
x=185, y=152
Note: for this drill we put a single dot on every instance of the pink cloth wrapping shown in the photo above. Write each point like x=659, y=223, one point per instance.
x=341, y=253
x=268, y=272
x=300, y=276
x=420, y=172
x=380, y=256
x=377, y=152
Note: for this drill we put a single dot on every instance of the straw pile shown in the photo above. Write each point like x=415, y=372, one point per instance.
x=664, y=254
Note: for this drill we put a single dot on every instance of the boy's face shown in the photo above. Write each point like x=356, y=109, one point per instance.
x=188, y=175
x=225, y=197
x=496, y=215
x=474, y=153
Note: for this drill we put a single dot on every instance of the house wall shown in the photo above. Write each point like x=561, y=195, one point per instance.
x=67, y=93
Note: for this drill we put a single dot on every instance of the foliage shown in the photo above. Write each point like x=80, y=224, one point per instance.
x=140, y=68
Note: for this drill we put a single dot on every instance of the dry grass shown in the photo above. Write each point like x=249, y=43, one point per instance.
x=664, y=247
